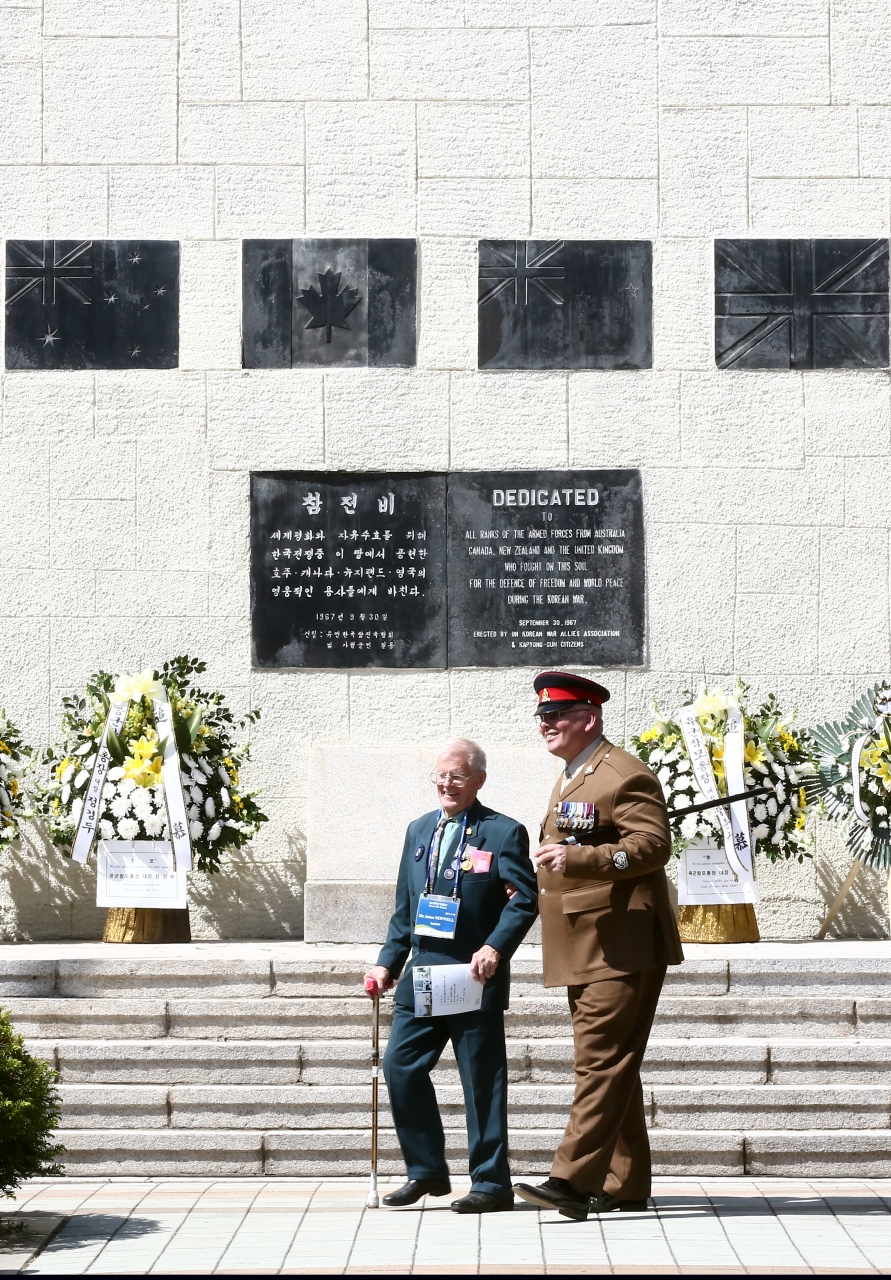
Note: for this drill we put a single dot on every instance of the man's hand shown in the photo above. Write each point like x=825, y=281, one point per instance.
x=510, y=889
x=550, y=857
x=382, y=977
x=484, y=962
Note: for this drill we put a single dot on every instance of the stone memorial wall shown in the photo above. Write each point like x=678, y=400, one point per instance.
x=438, y=251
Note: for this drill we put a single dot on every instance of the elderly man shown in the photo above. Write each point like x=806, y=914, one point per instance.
x=461, y=852
x=608, y=933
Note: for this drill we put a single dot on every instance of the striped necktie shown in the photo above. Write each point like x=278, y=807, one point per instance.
x=434, y=850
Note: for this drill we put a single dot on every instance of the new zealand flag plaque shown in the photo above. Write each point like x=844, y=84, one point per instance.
x=348, y=570
x=546, y=568
x=565, y=304
x=328, y=302
x=92, y=304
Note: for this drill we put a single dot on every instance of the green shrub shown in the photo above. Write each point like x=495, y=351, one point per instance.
x=29, y=1111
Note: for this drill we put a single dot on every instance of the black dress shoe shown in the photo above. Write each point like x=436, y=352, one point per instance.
x=606, y=1203
x=557, y=1193
x=483, y=1202
x=415, y=1189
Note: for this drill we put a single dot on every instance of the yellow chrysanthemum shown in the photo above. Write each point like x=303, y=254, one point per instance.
x=5, y=749
x=649, y=735
x=60, y=768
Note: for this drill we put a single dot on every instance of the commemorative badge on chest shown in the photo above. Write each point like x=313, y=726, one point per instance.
x=574, y=815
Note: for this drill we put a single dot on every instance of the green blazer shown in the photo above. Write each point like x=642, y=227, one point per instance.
x=486, y=914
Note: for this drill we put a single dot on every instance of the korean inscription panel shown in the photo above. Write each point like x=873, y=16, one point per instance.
x=348, y=570
x=546, y=568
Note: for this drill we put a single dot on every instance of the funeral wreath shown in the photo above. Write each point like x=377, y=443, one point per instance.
x=118, y=744
x=777, y=755
x=853, y=776
x=15, y=760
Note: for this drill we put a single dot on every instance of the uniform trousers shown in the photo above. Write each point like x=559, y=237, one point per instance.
x=605, y=1146
x=414, y=1048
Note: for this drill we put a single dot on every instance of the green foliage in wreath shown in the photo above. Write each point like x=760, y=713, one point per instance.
x=15, y=761
x=222, y=815
x=29, y=1111
x=833, y=784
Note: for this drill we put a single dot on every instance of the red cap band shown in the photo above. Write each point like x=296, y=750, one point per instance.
x=563, y=695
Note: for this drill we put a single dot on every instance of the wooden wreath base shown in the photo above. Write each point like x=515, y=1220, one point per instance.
x=723, y=922
x=147, y=924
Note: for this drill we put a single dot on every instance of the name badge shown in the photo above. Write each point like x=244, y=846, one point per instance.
x=437, y=916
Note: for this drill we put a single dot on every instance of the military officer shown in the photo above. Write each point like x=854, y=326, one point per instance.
x=467, y=853
x=608, y=933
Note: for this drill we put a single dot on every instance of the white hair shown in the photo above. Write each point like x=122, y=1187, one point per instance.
x=472, y=751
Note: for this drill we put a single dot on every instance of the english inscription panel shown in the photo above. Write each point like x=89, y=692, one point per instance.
x=801, y=304
x=92, y=304
x=565, y=304
x=546, y=568
x=348, y=570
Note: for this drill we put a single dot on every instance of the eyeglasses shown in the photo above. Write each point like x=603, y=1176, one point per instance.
x=443, y=779
x=554, y=717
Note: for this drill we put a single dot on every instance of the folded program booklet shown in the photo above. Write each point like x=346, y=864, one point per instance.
x=442, y=989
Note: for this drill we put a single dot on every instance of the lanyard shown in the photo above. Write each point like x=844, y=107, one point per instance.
x=430, y=876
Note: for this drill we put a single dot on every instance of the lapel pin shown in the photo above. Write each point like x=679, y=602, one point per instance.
x=419, y=853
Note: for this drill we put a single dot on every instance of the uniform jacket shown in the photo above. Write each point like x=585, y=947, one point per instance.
x=598, y=921
x=486, y=915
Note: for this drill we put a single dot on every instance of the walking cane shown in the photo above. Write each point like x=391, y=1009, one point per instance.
x=374, y=991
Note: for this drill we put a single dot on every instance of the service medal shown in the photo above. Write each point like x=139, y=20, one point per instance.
x=466, y=864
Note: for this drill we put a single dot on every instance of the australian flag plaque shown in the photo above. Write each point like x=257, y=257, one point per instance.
x=328, y=302
x=92, y=304
x=565, y=304
x=348, y=570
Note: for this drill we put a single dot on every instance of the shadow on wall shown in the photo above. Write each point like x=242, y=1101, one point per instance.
x=45, y=897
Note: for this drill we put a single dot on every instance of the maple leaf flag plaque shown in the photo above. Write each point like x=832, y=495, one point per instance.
x=328, y=302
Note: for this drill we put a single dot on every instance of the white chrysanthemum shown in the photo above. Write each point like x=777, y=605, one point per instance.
x=196, y=830
x=81, y=778
x=215, y=832
x=781, y=793
x=684, y=766
x=224, y=773
x=761, y=832
x=196, y=795
x=689, y=827
x=760, y=812
x=772, y=806
x=66, y=793
x=67, y=772
x=680, y=803
x=76, y=807
x=120, y=806
x=664, y=776
x=194, y=812
x=204, y=766
x=224, y=798
x=142, y=811
x=655, y=756
x=197, y=779
x=126, y=785
x=84, y=748
x=90, y=761
x=154, y=825
x=128, y=829
x=106, y=829
x=792, y=775
x=115, y=774
x=108, y=791
x=210, y=808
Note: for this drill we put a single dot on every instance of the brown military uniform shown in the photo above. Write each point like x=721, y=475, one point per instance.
x=608, y=933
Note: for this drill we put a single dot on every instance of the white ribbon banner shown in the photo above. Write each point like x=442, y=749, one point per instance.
x=92, y=807
x=173, y=786
x=735, y=776
x=856, y=751
x=701, y=764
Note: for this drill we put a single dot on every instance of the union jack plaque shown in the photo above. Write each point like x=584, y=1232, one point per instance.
x=801, y=304
x=92, y=304
x=565, y=304
x=328, y=302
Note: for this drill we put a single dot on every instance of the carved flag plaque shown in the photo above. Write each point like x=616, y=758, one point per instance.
x=801, y=304
x=565, y=304
x=92, y=304
x=328, y=302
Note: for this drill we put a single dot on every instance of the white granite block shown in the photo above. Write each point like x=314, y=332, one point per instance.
x=164, y=203
x=741, y=18
x=259, y=201
x=758, y=70
x=209, y=50
x=624, y=419
x=241, y=133
x=109, y=101
x=750, y=418
x=361, y=166
x=265, y=418
x=861, y=52
x=595, y=208
x=487, y=207
x=291, y=51
x=511, y=420
x=449, y=64
x=391, y=418
x=847, y=413
x=820, y=206
x=447, y=292
x=703, y=171
x=803, y=142
x=150, y=404
x=473, y=140
x=210, y=305
x=853, y=566
x=108, y=18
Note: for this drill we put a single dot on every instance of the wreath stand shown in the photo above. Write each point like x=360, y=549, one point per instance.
x=718, y=922
x=147, y=924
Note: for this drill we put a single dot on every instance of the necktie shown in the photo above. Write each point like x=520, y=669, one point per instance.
x=434, y=851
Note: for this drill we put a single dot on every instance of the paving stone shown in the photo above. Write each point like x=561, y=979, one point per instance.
x=819, y=1153
x=113, y=1106
x=859, y=1062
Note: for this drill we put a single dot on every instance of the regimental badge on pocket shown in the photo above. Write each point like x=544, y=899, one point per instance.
x=574, y=815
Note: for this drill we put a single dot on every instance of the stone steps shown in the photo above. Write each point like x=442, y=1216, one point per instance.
x=239, y=1059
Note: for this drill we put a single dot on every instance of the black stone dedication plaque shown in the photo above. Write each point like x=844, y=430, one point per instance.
x=348, y=570
x=546, y=568
x=801, y=304
x=565, y=304
x=92, y=304
x=328, y=302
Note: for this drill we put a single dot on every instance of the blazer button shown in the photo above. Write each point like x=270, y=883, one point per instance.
x=543, y=892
